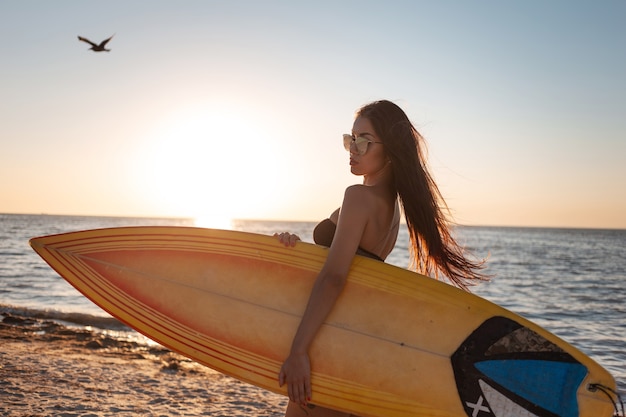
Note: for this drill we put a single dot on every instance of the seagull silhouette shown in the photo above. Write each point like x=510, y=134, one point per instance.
x=95, y=47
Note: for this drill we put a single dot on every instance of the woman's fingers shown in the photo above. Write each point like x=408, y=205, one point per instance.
x=281, y=378
x=287, y=239
x=298, y=380
x=298, y=393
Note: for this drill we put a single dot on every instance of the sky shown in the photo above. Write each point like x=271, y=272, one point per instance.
x=235, y=109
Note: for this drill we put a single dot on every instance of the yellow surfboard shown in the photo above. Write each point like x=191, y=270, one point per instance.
x=396, y=344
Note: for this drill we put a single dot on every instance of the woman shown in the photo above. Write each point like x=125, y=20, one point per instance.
x=386, y=150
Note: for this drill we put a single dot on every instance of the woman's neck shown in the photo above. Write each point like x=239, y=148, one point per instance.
x=381, y=177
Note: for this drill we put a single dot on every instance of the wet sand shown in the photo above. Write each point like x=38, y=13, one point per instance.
x=47, y=369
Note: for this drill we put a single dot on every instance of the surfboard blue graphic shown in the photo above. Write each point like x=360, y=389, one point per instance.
x=503, y=366
x=549, y=384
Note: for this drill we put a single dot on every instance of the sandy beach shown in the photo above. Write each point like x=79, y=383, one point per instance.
x=47, y=369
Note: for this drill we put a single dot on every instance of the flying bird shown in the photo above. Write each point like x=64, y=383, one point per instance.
x=96, y=47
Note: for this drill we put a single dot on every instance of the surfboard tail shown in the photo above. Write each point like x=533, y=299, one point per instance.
x=504, y=368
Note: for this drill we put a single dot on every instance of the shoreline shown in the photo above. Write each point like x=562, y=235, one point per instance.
x=49, y=369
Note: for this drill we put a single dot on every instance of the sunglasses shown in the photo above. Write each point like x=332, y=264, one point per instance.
x=360, y=143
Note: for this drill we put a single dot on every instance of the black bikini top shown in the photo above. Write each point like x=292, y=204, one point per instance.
x=324, y=233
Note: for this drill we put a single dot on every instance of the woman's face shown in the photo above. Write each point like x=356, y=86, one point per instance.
x=375, y=159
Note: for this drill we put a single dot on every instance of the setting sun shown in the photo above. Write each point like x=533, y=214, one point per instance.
x=208, y=163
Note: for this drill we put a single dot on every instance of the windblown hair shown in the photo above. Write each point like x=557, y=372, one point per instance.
x=434, y=251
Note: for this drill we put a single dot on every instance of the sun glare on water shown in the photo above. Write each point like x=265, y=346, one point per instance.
x=208, y=163
x=214, y=222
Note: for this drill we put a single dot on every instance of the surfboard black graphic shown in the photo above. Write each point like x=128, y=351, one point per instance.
x=504, y=369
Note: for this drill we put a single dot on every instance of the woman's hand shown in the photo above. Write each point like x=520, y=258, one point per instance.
x=296, y=372
x=287, y=239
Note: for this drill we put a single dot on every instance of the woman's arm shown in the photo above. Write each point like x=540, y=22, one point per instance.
x=328, y=286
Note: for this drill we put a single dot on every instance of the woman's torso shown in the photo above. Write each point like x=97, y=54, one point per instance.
x=376, y=243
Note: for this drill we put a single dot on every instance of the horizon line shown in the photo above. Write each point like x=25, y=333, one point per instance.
x=191, y=218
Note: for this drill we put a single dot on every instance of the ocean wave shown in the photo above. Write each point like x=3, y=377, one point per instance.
x=11, y=253
x=77, y=319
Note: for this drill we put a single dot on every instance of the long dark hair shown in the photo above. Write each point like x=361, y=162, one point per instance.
x=434, y=250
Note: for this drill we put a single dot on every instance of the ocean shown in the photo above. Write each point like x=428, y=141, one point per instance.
x=572, y=282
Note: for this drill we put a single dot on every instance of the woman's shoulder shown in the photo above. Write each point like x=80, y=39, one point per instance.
x=363, y=193
x=359, y=197
x=359, y=191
